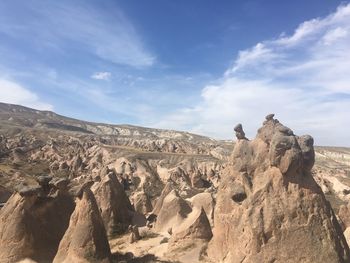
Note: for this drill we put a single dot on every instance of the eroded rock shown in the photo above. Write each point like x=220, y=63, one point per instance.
x=269, y=208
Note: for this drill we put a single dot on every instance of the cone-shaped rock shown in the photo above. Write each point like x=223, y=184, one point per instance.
x=85, y=239
x=115, y=207
x=195, y=226
x=166, y=190
x=270, y=209
x=172, y=213
x=32, y=226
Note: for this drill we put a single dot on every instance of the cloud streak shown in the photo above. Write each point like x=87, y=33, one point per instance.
x=304, y=78
x=63, y=25
x=102, y=75
x=14, y=93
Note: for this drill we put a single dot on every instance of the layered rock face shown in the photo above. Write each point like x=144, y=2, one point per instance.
x=85, y=239
x=269, y=208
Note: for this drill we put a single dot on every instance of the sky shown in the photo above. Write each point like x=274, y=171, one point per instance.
x=200, y=66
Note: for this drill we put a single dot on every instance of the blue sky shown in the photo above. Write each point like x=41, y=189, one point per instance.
x=199, y=66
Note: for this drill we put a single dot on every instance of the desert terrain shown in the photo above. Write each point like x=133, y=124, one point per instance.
x=77, y=191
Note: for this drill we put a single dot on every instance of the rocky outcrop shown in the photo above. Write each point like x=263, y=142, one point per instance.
x=204, y=201
x=115, y=207
x=85, y=239
x=269, y=208
x=32, y=224
x=166, y=190
x=195, y=226
x=4, y=194
x=142, y=203
x=240, y=134
x=344, y=216
x=173, y=211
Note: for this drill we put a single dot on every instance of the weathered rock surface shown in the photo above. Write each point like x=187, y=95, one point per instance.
x=172, y=213
x=344, y=216
x=4, y=194
x=85, y=239
x=31, y=226
x=205, y=201
x=195, y=226
x=115, y=207
x=269, y=208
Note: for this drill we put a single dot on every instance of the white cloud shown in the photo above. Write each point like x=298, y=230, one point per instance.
x=102, y=75
x=12, y=92
x=333, y=35
x=303, y=78
x=69, y=26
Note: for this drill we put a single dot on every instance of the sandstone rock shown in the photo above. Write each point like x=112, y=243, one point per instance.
x=134, y=234
x=29, y=190
x=344, y=216
x=115, y=207
x=32, y=226
x=173, y=211
x=269, y=208
x=205, y=201
x=142, y=203
x=269, y=117
x=306, y=143
x=195, y=226
x=166, y=190
x=239, y=132
x=4, y=194
x=85, y=239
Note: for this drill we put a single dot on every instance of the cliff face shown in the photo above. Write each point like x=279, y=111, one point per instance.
x=269, y=208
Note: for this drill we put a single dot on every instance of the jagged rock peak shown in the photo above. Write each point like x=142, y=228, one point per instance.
x=116, y=209
x=85, y=239
x=269, y=207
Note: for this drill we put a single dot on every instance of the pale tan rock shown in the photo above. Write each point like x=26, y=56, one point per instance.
x=270, y=209
x=205, y=201
x=32, y=226
x=142, y=203
x=166, y=190
x=115, y=207
x=195, y=226
x=85, y=239
x=172, y=213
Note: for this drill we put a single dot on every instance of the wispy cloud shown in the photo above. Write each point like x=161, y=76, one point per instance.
x=76, y=26
x=14, y=93
x=304, y=78
x=105, y=75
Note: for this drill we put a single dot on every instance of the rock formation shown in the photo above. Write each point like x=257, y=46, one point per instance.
x=205, y=201
x=115, y=207
x=173, y=211
x=85, y=239
x=269, y=208
x=240, y=134
x=4, y=194
x=195, y=226
x=32, y=224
